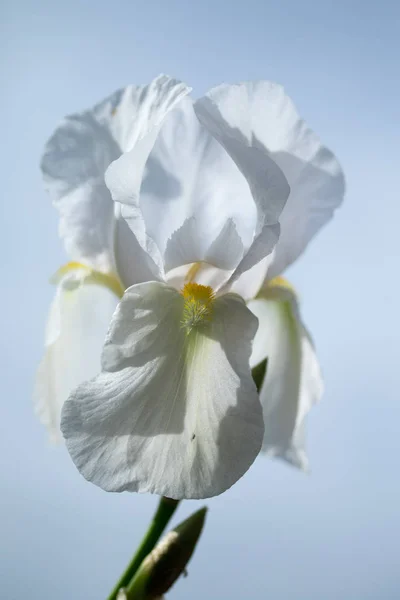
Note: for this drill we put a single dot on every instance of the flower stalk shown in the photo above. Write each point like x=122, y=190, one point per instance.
x=167, y=561
x=162, y=516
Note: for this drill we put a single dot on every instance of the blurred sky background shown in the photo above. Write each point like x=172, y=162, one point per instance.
x=278, y=533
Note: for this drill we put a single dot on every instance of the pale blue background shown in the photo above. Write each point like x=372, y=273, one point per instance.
x=277, y=534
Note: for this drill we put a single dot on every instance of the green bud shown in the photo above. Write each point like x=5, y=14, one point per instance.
x=167, y=561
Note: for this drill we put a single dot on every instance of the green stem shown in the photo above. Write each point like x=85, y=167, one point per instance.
x=164, y=512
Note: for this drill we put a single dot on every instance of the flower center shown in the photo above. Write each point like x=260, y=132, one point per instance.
x=198, y=305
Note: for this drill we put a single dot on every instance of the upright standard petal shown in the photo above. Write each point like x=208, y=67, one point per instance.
x=124, y=176
x=190, y=193
x=73, y=166
x=293, y=382
x=232, y=116
x=175, y=410
x=261, y=113
x=76, y=158
x=76, y=330
x=194, y=199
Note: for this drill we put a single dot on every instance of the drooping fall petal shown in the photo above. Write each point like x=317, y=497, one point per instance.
x=174, y=411
x=76, y=329
x=293, y=382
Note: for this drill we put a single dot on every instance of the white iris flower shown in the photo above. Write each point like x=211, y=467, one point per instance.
x=179, y=217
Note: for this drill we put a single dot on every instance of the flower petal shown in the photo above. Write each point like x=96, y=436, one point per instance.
x=192, y=187
x=191, y=244
x=124, y=176
x=172, y=413
x=249, y=283
x=233, y=115
x=132, y=262
x=315, y=178
x=76, y=158
x=200, y=191
x=293, y=383
x=74, y=162
x=76, y=329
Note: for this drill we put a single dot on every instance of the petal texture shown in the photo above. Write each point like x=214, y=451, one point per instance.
x=132, y=262
x=172, y=413
x=73, y=166
x=76, y=158
x=261, y=113
x=248, y=284
x=77, y=325
x=233, y=115
x=293, y=382
x=124, y=176
x=193, y=190
x=196, y=203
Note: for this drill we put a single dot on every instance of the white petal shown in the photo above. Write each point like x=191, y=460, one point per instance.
x=76, y=158
x=201, y=273
x=249, y=283
x=192, y=187
x=313, y=173
x=233, y=115
x=293, y=382
x=76, y=329
x=194, y=195
x=172, y=413
x=132, y=262
x=124, y=176
x=73, y=165
x=191, y=244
